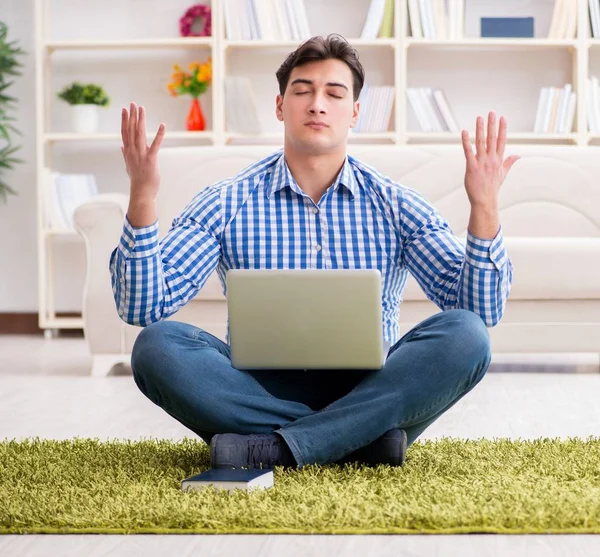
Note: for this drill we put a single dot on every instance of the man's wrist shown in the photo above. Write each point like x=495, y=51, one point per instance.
x=141, y=212
x=484, y=221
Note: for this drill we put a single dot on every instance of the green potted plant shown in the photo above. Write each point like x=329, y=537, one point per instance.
x=85, y=100
x=9, y=66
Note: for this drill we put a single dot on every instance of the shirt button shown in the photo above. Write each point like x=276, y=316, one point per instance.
x=318, y=247
x=122, y=280
x=314, y=210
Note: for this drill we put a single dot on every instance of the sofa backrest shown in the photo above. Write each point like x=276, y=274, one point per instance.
x=553, y=191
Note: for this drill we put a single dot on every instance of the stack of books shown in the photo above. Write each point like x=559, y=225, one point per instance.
x=271, y=20
x=594, y=12
x=564, y=19
x=556, y=110
x=433, y=19
x=375, y=109
x=432, y=109
x=593, y=104
x=65, y=193
x=379, y=23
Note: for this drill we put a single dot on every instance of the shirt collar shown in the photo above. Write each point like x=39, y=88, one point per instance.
x=281, y=177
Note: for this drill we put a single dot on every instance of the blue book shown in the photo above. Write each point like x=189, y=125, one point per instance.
x=222, y=478
x=507, y=27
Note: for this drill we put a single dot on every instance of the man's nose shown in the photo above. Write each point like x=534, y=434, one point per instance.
x=317, y=106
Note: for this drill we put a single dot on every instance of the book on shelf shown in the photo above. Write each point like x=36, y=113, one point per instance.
x=66, y=192
x=593, y=104
x=269, y=20
x=386, y=30
x=379, y=22
x=240, y=106
x=555, y=111
x=436, y=19
x=594, y=18
x=376, y=103
x=507, y=27
x=432, y=109
x=563, y=24
x=229, y=480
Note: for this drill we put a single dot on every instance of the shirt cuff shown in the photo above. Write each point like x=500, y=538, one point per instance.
x=486, y=254
x=137, y=243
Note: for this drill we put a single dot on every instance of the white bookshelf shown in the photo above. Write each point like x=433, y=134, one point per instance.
x=401, y=61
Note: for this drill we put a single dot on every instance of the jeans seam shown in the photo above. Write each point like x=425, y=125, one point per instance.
x=424, y=411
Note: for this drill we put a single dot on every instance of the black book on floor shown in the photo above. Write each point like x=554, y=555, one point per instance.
x=222, y=478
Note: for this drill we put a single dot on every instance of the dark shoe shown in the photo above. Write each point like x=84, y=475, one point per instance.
x=390, y=449
x=260, y=450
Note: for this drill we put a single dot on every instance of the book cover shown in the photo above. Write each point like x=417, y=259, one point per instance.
x=507, y=27
x=222, y=478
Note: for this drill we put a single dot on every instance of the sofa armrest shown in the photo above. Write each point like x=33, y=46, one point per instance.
x=100, y=222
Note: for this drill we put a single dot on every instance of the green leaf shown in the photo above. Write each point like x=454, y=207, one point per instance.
x=10, y=65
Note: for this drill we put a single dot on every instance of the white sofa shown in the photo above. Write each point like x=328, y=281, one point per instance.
x=550, y=211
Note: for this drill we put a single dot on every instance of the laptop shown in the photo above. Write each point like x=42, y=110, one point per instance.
x=305, y=319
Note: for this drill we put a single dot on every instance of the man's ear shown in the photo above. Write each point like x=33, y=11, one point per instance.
x=279, y=107
x=355, y=113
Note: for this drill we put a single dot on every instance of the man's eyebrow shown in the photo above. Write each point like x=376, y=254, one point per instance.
x=309, y=82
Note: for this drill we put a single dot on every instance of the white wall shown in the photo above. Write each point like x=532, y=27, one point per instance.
x=143, y=76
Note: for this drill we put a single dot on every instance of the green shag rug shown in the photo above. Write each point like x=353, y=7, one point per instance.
x=446, y=486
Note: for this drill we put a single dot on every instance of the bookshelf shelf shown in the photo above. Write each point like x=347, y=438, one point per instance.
x=492, y=43
x=254, y=44
x=514, y=137
x=278, y=137
x=195, y=42
x=67, y=136
x=54, y=322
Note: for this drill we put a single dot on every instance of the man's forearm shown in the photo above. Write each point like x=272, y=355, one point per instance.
x=484, y=221
x=141, y=212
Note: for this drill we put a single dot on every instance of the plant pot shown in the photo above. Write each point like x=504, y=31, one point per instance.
x=85, y=118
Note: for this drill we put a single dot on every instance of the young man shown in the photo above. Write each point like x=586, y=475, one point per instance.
x=332, y=211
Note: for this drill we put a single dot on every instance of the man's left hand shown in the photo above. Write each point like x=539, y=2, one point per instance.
x=486, y=168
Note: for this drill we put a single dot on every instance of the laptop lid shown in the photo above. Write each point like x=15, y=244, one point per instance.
x=305, y=318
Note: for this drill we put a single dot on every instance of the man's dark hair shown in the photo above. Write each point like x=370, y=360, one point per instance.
x=323, y=48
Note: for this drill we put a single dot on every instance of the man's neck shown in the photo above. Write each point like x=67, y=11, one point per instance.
x=314, y=173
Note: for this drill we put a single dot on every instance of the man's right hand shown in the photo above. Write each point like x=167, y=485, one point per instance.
x=141, y=163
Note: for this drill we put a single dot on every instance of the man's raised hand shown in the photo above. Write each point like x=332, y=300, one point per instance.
x=486, y=168
x=141, y=160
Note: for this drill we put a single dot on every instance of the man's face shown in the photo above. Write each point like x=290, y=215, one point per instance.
x=318, y=107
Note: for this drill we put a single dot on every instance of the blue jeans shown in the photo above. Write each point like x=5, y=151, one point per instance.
x=322, y=415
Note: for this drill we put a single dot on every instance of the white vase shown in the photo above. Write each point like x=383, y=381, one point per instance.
x=86, y=118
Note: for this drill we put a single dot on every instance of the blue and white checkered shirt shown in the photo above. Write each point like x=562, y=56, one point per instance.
x=261, y=219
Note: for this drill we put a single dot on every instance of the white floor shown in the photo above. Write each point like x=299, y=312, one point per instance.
x=45, y=391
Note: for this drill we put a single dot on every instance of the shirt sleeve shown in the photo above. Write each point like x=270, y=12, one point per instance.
x=151, y=280
x=476, y=276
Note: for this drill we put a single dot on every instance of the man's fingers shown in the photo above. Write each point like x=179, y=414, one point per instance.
x=466, y=143
x=132, y=124
x=157, y=140
x=509, y=162
x=501, y=138
x=479, y=137
x=491, y=133
x=141, y=130
x=124, y=127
